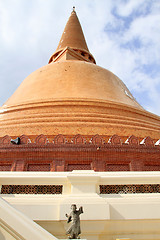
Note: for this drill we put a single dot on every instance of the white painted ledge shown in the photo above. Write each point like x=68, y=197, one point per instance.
x=58, y=178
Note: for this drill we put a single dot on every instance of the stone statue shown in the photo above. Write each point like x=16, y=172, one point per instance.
x=74, y=230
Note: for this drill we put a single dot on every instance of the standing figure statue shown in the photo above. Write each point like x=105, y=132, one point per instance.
x=74, y=230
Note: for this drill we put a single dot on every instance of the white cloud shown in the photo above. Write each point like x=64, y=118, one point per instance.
x=126, y=8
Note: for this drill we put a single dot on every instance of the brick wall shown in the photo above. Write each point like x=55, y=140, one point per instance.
x=67, y=154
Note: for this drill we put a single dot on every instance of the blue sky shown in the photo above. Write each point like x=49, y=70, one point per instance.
x=122, y=35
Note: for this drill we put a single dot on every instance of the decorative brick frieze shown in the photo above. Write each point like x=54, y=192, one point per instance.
x=147, y=141
x=132, y=140
x=5, y=140
x=78, y=139
x=59, y=139
x=115, y=139
x=41, y=139
x=66, y=153
x=97, y=139
x=24, y=139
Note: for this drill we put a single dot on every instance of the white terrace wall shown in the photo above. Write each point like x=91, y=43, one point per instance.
x=105, y=217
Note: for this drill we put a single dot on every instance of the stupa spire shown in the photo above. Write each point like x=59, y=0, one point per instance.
x=73, y=35
x=73, y=38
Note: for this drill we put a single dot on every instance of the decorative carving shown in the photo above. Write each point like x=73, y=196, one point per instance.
x=78, y=139
x=31, y=189
x=132, y=140
x=124, y=189
x=5, y=140
x=24, y=139
x=74, y=230
x=60, y=139
x=148, y=141
x=41, y=139
x=115, y=140
x=97, y=140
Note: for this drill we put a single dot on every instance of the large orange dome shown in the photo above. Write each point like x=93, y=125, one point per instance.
x=72, y=95
x=74, y=80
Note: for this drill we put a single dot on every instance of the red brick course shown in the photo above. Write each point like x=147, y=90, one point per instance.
x=65, y=153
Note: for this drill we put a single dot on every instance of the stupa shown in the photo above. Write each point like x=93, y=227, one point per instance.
x=81, y=138
x=73, y=105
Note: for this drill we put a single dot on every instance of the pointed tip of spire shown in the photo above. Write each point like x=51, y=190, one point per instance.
x=73, y=38
x=73, y=10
